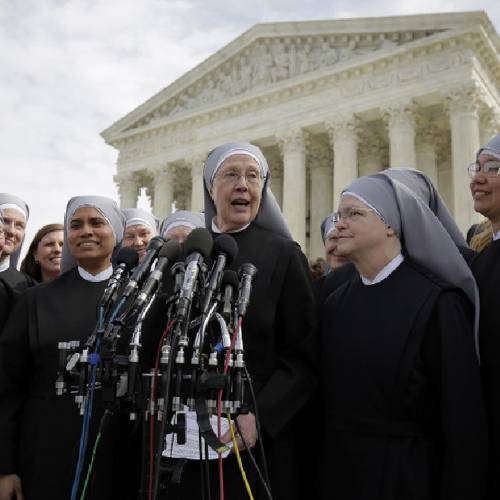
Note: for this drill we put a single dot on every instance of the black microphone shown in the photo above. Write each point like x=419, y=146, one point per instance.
x=143, y=268
x=168, y=254
x=225, y=251
x=229, y=285
x=247, y=274
x=197, y=247
x=127, y=259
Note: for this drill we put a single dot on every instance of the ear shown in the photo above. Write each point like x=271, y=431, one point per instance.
x=390, y=232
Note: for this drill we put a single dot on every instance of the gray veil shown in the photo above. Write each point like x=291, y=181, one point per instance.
x=139, y=216
x=327, y=226
x=269, y=215
x=492, y=147
x=422, y=235
x=110, y=211
x=10, y=199
x=182, y=218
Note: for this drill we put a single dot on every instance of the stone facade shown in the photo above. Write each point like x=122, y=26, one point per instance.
x=326, y=101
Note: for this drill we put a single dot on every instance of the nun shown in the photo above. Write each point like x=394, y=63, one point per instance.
x=6, y=299
x=15, y=213
x=279, y=330
x=330, y=240
x=40, y=431
x=400, y=376
x=140, y=227
x=179, y=224
x=485, y=189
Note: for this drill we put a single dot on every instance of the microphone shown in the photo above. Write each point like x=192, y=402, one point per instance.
x=247, y=274
x=225, y=249
x=127, y=259
x=229, y=285
x=168, y=254
x=143, y=268
x=197, y=247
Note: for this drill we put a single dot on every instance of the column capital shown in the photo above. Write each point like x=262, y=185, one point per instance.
x=293, y=140
x=464, y=99
x=400, y=114
x=196, y=161
x=342, y=127
x=162, y=173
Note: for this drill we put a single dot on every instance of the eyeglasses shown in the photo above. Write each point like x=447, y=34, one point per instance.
x=350, y=213
x=490, y=168
x=232, y=177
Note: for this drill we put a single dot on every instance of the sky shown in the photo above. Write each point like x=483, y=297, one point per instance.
x=71, y=68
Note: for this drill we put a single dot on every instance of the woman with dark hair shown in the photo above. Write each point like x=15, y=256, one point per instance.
x=39, y=431
x=401, y=390
x=43, y=260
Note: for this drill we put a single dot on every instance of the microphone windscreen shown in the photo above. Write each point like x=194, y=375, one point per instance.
x=199, y=240
x=127, y=256
x=227, y=245
x=171, y=250
x=155, y=243
x=230, y=278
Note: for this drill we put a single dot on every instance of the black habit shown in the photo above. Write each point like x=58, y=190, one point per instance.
x=39, y=431
x=404, y=416
x=486, y=270
x=280, y=342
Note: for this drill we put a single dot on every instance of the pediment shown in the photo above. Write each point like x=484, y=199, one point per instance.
x=269, y=54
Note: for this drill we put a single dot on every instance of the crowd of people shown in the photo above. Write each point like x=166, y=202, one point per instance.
x=376, y=371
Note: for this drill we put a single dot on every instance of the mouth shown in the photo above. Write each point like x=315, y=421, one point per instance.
x=240, y=202
x=478, y=194
x=55, y=260
x=87, y=244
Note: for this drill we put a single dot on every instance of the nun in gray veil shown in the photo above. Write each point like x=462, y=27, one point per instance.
x=140, y=227
x=403, y=410
x=180, y=223
x=38, y=431
x=279, y=328
x=16, y=214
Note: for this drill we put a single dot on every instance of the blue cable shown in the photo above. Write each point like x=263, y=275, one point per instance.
x=94, y=360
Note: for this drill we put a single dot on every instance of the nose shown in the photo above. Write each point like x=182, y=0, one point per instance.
x=340, y=224
x=138, y=241
x=242, y=183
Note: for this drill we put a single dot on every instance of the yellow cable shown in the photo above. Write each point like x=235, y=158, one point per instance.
x=238, y=457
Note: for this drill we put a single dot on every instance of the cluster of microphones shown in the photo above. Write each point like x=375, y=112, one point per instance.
x=198, y=359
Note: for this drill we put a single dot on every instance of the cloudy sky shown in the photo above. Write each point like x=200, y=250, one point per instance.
x=70, y=68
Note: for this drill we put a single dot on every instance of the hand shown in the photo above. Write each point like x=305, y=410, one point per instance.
x=10, y=487
x=248, y=430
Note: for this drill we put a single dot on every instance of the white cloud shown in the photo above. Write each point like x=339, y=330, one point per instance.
x=70, y=68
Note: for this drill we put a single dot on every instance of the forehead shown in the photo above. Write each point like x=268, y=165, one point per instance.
x=86, y=212
x=53, y=235
x=137, y=228
x=13, y=214
x=351, y=201
x=239, y=161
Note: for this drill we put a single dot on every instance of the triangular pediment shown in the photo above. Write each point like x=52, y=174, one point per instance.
x=270, y=54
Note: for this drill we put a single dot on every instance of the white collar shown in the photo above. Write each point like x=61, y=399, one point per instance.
x=215, y=229
x=4, y=264
x=385, y=272
x=102, y=276
x=496, y=236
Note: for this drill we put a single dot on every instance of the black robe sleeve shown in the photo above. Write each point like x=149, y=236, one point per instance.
x=294, y=377
x=15, y=367
x=449, y=354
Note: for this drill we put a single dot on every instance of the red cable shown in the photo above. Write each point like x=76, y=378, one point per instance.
x=219, y=407
x=152, y=405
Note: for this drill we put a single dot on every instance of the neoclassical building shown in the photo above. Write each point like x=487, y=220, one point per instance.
x=326, y=101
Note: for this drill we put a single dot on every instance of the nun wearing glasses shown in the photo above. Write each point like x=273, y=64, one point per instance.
x=400, y=379
x=485, y=189
x=39, y=431
x=279, y=327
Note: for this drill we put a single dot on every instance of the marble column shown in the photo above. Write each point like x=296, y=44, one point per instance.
x=370, y=162
x=344, y=140
x=277, y=184
x=464, y=122
x=197, y=192
x=321, y=206
x=294, y=184
x=164, y=192
x=401, y=128
x=128, y=189
x=426, y=155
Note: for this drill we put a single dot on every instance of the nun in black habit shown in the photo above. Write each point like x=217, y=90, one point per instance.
x=279, y=328
x=15, y=213
x=485, y=188
x=6, y=299
x=400, y=379
x=39, y=431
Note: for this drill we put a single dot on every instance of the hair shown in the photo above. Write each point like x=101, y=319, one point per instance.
x=28, y=265
x=318, y=267
x=483, y=236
